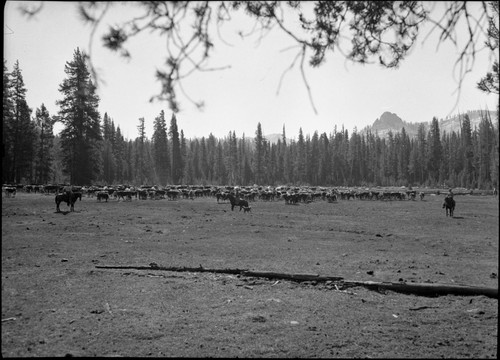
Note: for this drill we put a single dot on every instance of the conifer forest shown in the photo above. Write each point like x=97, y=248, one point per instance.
x=91, y=149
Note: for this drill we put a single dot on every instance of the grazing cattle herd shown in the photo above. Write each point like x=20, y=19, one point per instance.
x=236, y=195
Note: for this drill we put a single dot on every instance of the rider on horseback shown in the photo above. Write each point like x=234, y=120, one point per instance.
x=450, y=194
x=68, y=190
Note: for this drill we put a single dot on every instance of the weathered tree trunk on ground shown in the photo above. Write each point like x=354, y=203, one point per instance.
x=243, y=272
x=425, y=289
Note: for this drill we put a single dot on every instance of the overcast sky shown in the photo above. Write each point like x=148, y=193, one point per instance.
x=344, y=94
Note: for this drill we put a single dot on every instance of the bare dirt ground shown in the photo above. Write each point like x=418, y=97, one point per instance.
x=56, y=302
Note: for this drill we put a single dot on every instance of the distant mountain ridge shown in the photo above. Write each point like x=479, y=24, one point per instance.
x=392, y=122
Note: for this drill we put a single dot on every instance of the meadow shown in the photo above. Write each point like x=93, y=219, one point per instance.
x=58, y=297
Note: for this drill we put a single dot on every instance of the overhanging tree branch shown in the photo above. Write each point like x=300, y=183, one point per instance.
x=385, y=31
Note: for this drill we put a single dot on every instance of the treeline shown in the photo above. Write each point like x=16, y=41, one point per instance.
x=92, y=150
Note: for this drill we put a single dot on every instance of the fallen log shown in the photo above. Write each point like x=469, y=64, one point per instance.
x=293, y=277
x=427, y=289
x=242, y=272
x=172, y=268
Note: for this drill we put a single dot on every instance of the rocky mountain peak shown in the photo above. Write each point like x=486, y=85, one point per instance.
x=388, y=120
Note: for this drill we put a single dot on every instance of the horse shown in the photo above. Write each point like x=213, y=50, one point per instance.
x=237, y=202
x=68, y=198
x=449, y=205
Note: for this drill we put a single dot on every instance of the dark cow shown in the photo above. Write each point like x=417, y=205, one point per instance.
x=449, y=205
x=10, y=191
x=172, y=194
x=331, y=197
x=51, y=189
x=69, y=198
x=412, y=194
x=125, y=195
x=102, y=195
x=291, y=198
x=143, y=194
x=221, y=196
x=237, y=202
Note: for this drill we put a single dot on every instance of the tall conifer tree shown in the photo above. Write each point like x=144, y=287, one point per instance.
x=176, y=151
x=161, y=156
x=81, y=137
x=7, y=125
x=20, y=130
x=44, y=157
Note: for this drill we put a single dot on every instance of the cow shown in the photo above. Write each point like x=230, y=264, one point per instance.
x=291, y=198
x=331, y=197
x=221, y=196
x=421, y=194
x=143, y=194
x=449, y=205
x=237, y=202
x=102, y=195
x=10, y=191
x=412, y=194
x=125, y=195
x=172, y=194
x=69, y=198
x=51, y=189
x=160, y=194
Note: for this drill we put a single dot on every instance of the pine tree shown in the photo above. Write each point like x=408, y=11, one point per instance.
x=129, y=162
x=203, y=159
x=44, y=157
x=220, y=168
x=140, y=158
x=190, y=164
x=495, y=153
x=161, y=156
x=176, y=151
x=108, y=158
x=233, y=163
x=212, y=157
x=183, y=156
x=81, y=136
x=421, y=164
x=259, y=155
x=119, y=154
x=402, y=156
x=435, y=151
x=354, y=158
x=324, y=163
x=486, y=139
x=467, y=174
x=7, y=128
x=20, y=130
x=196, y=156
x=314, y=160
x=300, y=161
